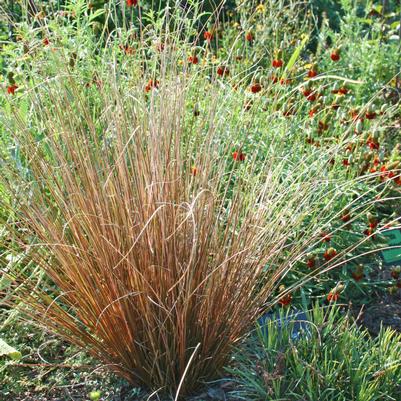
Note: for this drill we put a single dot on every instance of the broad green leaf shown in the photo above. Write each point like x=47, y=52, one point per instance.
x=7, y=350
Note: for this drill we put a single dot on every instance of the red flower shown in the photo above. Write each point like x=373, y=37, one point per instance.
x=346, y=217
x=395, y=273
x=238, y=156
x=369, y=233
x=222, y=71
x=277, y=63
x=249, y=37
x=274, y=79
x=386, y=174
x=370, y=115
x=312, y=97
x=311, y=262
x=132, y=3
x=373, y=144
x=312, y=112
x=208, y=36
x=285, y=300
x=323, y=126
x=127, y=49
x=46, y=42
x=151, y=84
x=194, y=171
x=343, y=90
x=11, y=89
x=330, y=253
x=354, y=115
x=357, y=276
x=312, y=73
x=335, y=55
x=193, y=60
x=256, y=87
x=332, y=296
x=326, y=237
x=346, y=163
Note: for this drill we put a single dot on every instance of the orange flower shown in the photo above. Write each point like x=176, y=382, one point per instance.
x=151, y=84
x=286, y=300
x=238, y=156
x=312, y=112
x=249, y=37
x=127, y=49
x=208, y=36
x=334, y=294
x=11, y=89
x=332, y=297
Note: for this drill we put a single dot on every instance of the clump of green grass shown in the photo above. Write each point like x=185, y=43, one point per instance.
x=334, y=359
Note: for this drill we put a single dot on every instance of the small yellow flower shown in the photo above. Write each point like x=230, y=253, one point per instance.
x=260, y=8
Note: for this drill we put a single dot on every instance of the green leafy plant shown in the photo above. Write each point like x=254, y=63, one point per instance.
x=333, y=359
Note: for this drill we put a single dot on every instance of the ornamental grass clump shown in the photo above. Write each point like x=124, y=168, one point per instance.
x=155, y=248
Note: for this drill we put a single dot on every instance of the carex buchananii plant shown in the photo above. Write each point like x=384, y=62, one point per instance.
x=160, y=237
